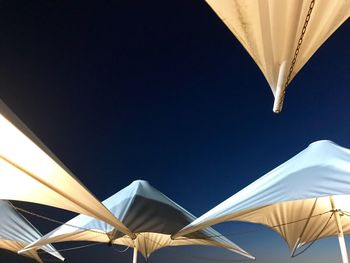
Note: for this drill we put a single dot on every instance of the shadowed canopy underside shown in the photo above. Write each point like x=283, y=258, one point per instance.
x=149, y=214
x=294, y=199
x=16, y=232
x=270, y=30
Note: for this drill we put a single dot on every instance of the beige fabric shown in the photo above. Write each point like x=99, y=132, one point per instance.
x=300, y=222
x=152, y=217
x=270, y=29
x=30, y=172
x=17, y=246
x=16, y=232
x=146, y=242
x=287, y=196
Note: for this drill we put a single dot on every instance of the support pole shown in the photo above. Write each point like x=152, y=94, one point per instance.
x=296, y=245
x=341, y=240
x=134, y=260
x=279, y=93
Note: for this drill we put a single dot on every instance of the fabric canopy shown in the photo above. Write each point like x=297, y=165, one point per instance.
x=16, y=232
x=295, y=199
x=149, y=214
x=30, y=172
x=270, y=30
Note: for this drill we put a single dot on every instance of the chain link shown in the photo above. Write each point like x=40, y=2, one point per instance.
x=296, y=53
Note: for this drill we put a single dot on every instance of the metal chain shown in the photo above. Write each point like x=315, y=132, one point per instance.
x=296, y=53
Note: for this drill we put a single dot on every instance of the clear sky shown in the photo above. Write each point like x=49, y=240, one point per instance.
x=162, y=91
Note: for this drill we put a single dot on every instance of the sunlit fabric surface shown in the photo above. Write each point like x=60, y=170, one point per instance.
x=270, y=29
x=149, y=214
x=30, y=172
x=297, y=190
x=16, y=232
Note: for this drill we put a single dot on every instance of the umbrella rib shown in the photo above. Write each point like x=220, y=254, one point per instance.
x=304, y=228
x=55, y=189
x=257, y=230
x=70, y=248
x=314, y=240
x=56, y=221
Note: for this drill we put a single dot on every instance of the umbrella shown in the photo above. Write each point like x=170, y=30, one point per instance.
x=304, y=199
x=16, y=232
x=281, y=35
x=150, y=215
x=30, y=172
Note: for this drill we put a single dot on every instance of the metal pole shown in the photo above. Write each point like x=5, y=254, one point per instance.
x=279, y=95
x=134, y=260
x=296, y=245
x=342, y=245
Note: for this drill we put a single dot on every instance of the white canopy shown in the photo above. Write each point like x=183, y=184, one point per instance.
x=149, y=214
x=30, y=172
x=16, y=232
x=270, y=30
x=296, y=199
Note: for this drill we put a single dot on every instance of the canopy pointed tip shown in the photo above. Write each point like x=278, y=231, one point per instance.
x=140, y=181
x=278, y=103
x=280, y=89
x=322, y=143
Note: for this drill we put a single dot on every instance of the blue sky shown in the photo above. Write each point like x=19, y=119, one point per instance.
x=162, y=91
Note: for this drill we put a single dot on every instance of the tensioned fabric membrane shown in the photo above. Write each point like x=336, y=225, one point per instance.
x=270, y=30
x=16, y=232
x=30, y=172
x=303, y=199
x=149, y=214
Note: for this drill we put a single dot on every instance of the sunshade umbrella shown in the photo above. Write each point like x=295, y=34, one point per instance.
x=304, y=199
x=30, y=172
x=16, y=232
x=281, y=35
x=150, y=215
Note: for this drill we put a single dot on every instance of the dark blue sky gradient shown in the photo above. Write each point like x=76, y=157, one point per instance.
x=162, y=91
